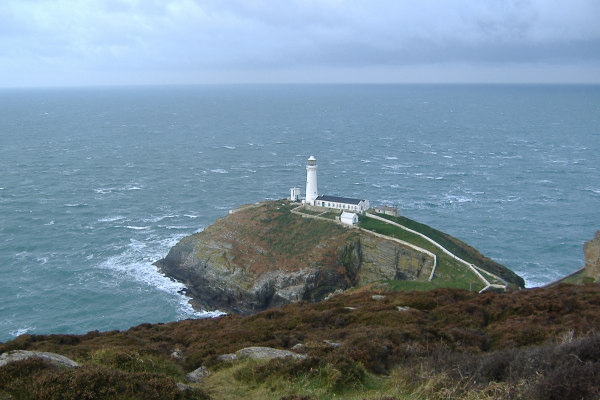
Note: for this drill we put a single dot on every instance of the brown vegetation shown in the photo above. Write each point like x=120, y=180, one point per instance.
x=289, y=238
x=445, y=343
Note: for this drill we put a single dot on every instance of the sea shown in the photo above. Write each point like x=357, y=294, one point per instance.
x=96, y=184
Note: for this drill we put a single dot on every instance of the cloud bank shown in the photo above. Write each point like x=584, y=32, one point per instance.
x=94, y=42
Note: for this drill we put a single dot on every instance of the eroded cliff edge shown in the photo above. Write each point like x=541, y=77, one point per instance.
x=264, y=256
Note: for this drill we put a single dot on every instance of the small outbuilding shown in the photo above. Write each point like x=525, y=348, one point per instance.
x=295, y=194
x=349, y=218
x=387, y=210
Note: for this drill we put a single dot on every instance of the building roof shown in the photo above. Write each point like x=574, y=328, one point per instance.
x=347, y=214
x=338, y=199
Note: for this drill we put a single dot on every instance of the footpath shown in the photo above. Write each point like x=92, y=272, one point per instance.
x=475, y=269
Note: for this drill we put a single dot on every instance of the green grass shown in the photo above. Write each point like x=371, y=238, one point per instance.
x=306, y=211
x=449, y=273
x=383, y=228
x=400, y=285
x=578, y=278
x=437, y=236
x=453, y=274
x=332, y=215
x=460, y=249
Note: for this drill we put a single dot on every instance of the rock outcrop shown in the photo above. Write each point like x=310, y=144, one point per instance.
x=591, y=251
x=50, y=358
x=265, y=256
x=262, y=353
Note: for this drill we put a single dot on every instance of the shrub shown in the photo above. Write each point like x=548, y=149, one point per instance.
x=15, y=374
x=580, y=382
x=133, y=361
x=101, y=383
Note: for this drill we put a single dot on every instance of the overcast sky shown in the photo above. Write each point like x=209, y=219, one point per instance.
x=115, y=42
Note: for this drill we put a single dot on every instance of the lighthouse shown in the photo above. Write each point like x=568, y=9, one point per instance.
x=311, y=181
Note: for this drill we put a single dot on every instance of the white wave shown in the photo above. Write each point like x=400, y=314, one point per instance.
x=21, y=331
x=509, y=199
x=160, y=218
x=107, y=190
x=50, y=223
x=112, y=218
x=458, y=199
x=229, y=147
x=391, y=158
x=21, y=256
x=136, y=228
x=219, y=171
x=136, y=244
x=593, y=190
x=190, y=215
x=397, y=166
x=76, y=205
x=135, y=263
x=104, y=190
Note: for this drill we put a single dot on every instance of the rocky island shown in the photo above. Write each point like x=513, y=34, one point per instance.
x=279, y=252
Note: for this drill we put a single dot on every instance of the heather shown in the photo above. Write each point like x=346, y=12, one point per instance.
x=366, y=344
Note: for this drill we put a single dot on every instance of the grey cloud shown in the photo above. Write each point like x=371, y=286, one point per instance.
x=176, y=36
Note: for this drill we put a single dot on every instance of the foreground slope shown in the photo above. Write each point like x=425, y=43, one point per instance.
x=445, y=343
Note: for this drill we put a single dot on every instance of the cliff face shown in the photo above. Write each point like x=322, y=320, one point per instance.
x=264, y=256
x=591, y=251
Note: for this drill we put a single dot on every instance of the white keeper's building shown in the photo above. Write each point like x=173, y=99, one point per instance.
x=342, y=203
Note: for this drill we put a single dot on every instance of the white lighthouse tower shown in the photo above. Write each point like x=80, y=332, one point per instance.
x=311, y=181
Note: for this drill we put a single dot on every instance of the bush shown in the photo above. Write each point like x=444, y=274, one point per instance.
x=133, y=361
x=87, y=383
x=334, y=374
x=580, y=382
x=16, y=374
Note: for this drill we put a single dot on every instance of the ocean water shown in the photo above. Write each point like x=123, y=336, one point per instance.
x=97, y=184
